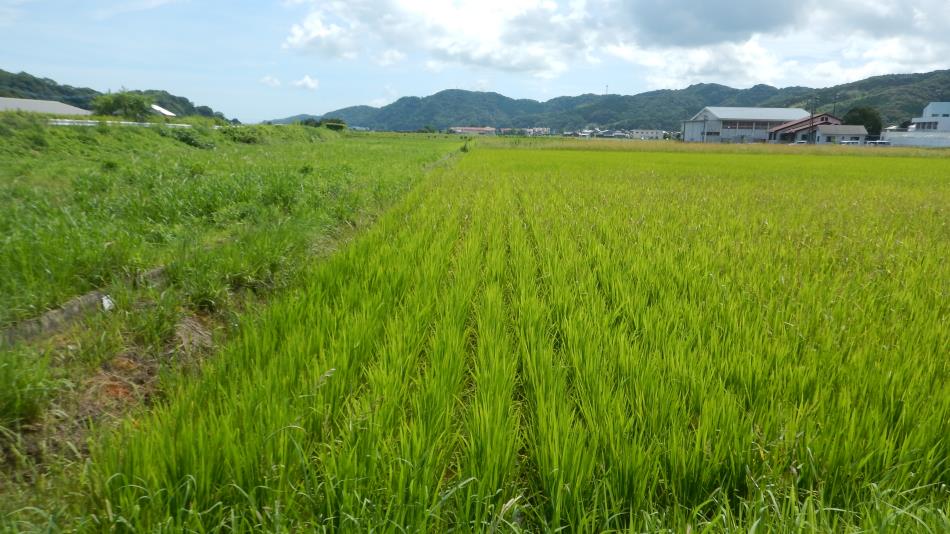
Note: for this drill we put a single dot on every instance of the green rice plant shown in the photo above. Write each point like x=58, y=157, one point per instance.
x=548, y=338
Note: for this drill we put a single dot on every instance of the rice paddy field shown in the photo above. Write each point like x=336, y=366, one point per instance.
x=551, y=336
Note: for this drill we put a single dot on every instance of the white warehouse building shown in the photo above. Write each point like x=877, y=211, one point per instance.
x=932, y=129
x=936, y=117
x=737, y=125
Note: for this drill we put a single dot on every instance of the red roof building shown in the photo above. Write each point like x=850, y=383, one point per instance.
x=801, y=129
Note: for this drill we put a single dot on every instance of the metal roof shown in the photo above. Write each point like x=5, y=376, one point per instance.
x=40, y=106
x=753, y=114
x=807, y=122
x=842, y=129
x=936, y=107
x=162, y=111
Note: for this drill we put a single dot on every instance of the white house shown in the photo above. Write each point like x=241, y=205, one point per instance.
x=737, y=125
x=841, y=134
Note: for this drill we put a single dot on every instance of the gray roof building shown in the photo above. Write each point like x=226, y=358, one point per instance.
x=841, y=134
x=40, y=106
x=737, y=125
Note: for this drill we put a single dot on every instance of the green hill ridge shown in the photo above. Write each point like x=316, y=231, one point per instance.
x=24, y=85
x=898, y=97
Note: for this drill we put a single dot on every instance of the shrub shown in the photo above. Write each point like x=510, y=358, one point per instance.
x=329, y=123
x=123, y=104
x=37, y=139
x=243, y=134
x=187, y=136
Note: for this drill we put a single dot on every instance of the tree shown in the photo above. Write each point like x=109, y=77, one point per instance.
x=333, y=123
x=124, y=104
x=865, y=116
x=330, y=123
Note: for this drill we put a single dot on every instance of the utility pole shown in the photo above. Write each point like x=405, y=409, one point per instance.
x=835, y=108
x=814, y=100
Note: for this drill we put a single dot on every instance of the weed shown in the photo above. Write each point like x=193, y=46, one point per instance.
x=249, y=135
x=24, y=386
x=187, y=136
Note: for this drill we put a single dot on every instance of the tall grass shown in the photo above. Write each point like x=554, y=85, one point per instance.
x=234, y=221
x=25, y=384
x=94, y=205
x=542, y=340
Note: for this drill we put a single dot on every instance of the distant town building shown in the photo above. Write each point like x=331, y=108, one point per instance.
x=40, y=106
x=932, y=129
x=737, y=125
x=801, y=129
x=646, y=135
x=618, y=134
x=472, y=130
x=525, y=131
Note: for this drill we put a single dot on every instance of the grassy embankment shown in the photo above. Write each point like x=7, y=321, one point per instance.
x=233, y=215
x=537, y=339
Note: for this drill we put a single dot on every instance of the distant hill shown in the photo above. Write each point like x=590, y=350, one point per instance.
x=898, y=97
x=23, y=85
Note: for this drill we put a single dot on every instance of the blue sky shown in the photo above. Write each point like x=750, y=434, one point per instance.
x=258, y=60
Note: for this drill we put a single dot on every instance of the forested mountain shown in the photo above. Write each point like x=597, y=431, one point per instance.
x=898, y=97
x=23, y=85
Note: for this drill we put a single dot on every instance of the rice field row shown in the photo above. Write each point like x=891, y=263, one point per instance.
x=547, y=339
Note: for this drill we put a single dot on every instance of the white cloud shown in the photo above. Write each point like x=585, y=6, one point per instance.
x=515, y=36
x=833, y=44
x=390, y=57
x=670, y=44
x=741, y=64
x=389, y=97
x=131, y=6
x=324, y=38
x=270, y=81
x=433, y=65
x=307, y=83
x=11, y=11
